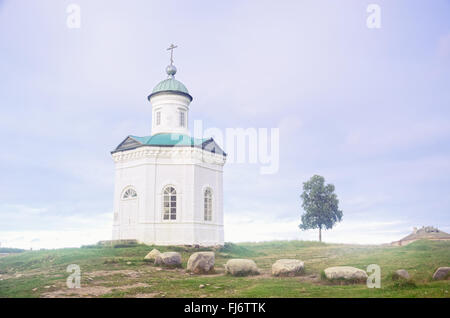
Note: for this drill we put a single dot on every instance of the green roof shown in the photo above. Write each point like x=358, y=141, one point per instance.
x=169, y=140
x=170, y=85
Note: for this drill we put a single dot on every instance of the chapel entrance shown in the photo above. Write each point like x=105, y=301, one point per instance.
x=128, y=215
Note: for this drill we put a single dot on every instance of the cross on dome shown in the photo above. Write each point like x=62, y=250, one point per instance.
x=171, y=48
x=171, y=70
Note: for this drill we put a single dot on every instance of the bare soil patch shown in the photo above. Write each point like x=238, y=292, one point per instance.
x=89, y=291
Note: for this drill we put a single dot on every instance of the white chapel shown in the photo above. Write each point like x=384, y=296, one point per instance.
x=168, y=185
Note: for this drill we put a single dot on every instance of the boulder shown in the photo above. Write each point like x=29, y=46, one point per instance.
x=241, y=267
x=441, y=273
x=152, y=255
x=346, y=273
x=401, y=274
x=201, y=263
x=288, y=267
x=170, y=259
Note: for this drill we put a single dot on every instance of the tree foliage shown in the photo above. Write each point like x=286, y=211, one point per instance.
x=320, y=204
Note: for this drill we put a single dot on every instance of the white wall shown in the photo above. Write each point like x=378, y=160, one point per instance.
x=169, y=105
x=149, y=170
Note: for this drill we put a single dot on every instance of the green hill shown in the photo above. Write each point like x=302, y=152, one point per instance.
x=122, y=272
x=8, y=250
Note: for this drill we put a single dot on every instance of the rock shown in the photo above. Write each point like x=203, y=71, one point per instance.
x=346, y=273
x=401, y=273
x=288, y=267
x=171, y=259
x=152, y=255
x=34, y=289
x=201, y=263
x=441, y=273
x=201, y=286
x=241, y=267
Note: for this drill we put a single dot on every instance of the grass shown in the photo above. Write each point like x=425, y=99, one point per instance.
x=122, y=272
x=404, y=283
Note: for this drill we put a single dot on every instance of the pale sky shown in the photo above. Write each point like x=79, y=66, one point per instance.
x=369, y=109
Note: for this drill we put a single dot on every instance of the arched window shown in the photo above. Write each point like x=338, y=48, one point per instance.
x=170, y=204
x=129, y=194
x=207, y=200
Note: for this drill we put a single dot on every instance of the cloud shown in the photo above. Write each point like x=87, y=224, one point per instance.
x=363, y=231
x=364, y=109
x=69, y=231
x=371, y=140
x=443, y=48
x=52, y=217
x=55, y=238
x=8, y=210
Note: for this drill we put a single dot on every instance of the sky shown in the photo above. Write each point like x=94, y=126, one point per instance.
x=367, y=108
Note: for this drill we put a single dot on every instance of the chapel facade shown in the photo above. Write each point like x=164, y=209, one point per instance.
x=169, y=185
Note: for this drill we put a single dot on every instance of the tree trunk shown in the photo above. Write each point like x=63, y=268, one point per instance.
x=320, y=234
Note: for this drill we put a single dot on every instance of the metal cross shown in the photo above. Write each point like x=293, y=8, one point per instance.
x=170, y=48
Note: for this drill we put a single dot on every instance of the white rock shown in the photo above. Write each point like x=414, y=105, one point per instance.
x=346, y=273
x=441, y=273
x=172, y=259
x=152, y=255
x=201, y=263
x=241, y=267
x=288, y=267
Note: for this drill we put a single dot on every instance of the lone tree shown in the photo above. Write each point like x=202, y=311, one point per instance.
x=320, y=204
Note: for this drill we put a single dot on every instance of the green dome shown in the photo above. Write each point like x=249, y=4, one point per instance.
x=170, y=85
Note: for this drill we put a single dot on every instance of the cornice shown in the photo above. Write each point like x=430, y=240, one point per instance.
x=177, y=154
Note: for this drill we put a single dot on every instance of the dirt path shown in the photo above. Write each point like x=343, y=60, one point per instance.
x=90, y=291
